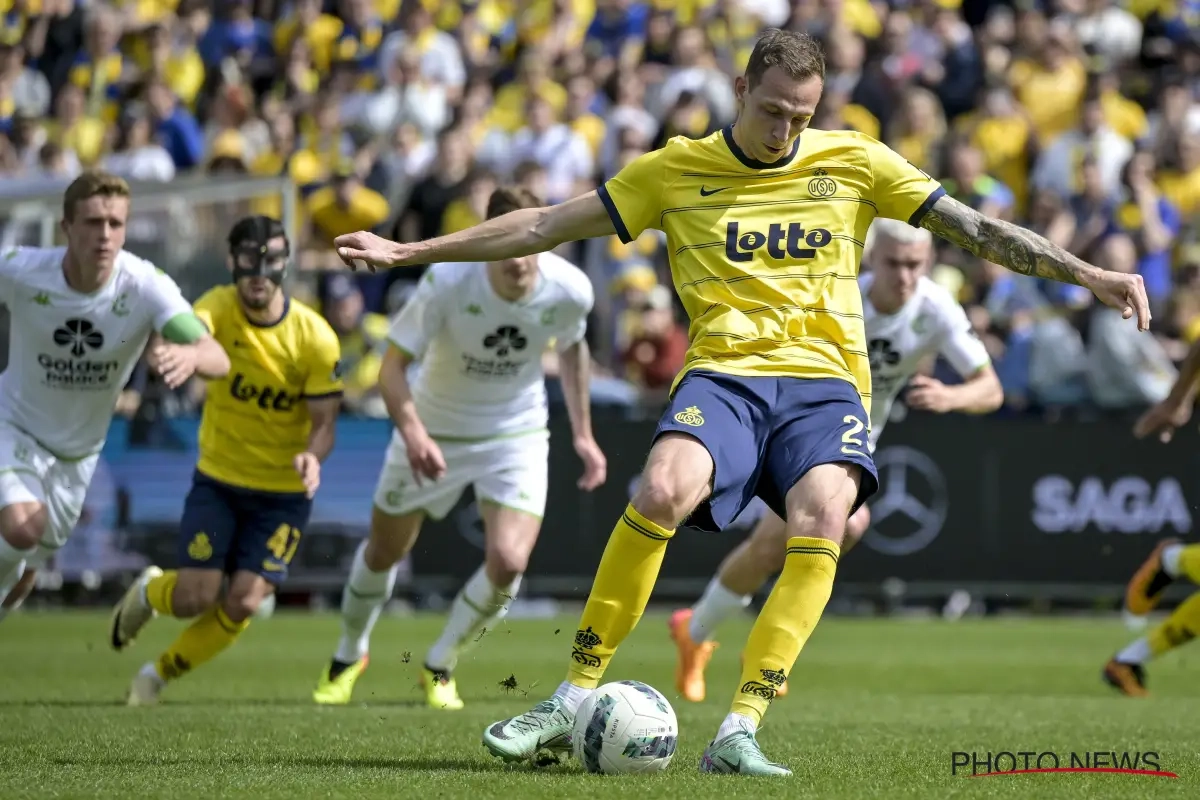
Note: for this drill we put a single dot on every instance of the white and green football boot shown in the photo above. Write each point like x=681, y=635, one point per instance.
x=547, y=726
x=739, y=754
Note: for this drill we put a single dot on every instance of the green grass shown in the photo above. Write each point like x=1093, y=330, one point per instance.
x=876, y=709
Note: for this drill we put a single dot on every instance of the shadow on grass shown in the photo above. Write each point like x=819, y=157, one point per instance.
x=448, y=763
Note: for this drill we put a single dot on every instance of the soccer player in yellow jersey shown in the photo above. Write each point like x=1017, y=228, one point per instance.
x=266, y=428
x=765, y=221
x=1170, y=560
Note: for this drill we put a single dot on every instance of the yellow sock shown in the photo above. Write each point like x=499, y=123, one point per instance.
x=211, y=633
x=1189, y=562
x=785, y=622
x=161, y=590
x=620, y=591
x=1178, y=629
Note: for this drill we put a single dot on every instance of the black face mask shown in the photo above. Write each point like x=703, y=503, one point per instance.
x=258, y=261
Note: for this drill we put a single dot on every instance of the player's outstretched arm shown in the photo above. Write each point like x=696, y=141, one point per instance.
x=1025, y=252
x=518, y=233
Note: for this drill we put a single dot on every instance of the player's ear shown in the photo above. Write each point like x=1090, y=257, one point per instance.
x=740, y=87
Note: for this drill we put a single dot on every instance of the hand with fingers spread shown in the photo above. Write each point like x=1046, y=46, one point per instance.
x=175, y=363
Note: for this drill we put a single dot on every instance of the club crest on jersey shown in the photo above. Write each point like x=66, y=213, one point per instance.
x=822, y=185
x=690, y=416
x=791, y=241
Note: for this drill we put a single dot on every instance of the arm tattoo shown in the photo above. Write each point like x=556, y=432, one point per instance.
x=1003, y=243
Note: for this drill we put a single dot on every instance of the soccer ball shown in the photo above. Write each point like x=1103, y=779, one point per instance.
x=625, y=727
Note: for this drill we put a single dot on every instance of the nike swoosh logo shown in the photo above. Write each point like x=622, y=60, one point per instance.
x=704, y=192
x=734, y=768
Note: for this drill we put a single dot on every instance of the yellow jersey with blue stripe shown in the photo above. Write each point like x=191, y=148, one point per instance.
x=255, y=419
x=765, y=257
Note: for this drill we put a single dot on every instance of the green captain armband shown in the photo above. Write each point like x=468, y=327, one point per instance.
x=184, y=329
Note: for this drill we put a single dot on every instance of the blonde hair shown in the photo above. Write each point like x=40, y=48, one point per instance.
x=893, y=230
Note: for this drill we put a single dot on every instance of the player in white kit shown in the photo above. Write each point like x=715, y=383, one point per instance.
x=908, y=319
x=81, y=317
x=474, y=415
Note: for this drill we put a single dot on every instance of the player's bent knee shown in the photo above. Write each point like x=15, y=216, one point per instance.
x=391, y=538
x=819, y=505
x=505, y=561
x=242, y=606
x=23, y=524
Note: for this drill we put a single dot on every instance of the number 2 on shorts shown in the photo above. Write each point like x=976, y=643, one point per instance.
x=850, y=439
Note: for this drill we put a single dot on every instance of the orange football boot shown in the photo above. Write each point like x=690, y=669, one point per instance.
x=693, y=657
x=1128, y=679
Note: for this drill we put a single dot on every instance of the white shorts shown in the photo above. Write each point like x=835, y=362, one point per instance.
x=508, y=471
x=31, y=474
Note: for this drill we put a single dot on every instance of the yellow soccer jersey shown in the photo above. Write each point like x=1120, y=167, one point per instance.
x=765, y=257
x=255, y=420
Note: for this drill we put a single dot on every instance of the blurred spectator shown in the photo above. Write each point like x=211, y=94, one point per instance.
x=136, y=156
x=1058, y=168
x=1125, y=368
x=363, y=337
x=22, y=89
x=1077, y=118
x=345, y=206
x=657, y=350
x=1151, y=223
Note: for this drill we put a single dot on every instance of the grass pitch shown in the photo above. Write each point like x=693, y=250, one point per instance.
x=876, y=710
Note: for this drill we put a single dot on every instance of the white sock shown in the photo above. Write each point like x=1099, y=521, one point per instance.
x=716, y=605
x=1136, y=653
x=734, y=723
x=148, y=670
x=1170, y=559
x=572, y=696
x=478, y=607
x=363, y=600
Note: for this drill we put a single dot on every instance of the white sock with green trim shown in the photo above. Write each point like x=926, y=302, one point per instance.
x=478, y=607
x=363, y=599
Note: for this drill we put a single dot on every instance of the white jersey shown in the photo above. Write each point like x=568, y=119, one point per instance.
x=931, y=322
x=71, y=354
x=480, y=372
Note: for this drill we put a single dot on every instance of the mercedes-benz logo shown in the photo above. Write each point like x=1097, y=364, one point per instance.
x=908, y=512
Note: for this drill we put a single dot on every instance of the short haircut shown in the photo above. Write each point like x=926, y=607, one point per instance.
x=797, y=54
x=93, y=183
x=256, y=231
x=510, y=198
x=893, y=230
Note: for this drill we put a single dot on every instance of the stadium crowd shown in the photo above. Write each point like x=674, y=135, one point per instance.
x=1077, y=118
